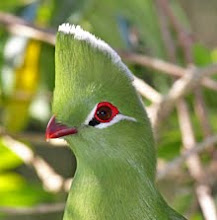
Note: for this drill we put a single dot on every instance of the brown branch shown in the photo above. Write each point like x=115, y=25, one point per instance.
x=186, y=44
x=146, y=91
x=178, y=161
x=40, y=209
x=195, y=168
x=166, y=34
x=51, y=181
x=203, y=190
x=35, y=138
x=163, y=67
x=209, y=83
x=184, y=38
x=154, y=63
x=21, y=27
x=201, y=111
x=179, y=89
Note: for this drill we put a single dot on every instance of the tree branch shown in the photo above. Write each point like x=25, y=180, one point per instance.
x=202, y=188
x=21, y=27
x=51, y=181
x=40, y=209
x=178, y=161
x=146, y=91
x=163, y=67
x=158, y=112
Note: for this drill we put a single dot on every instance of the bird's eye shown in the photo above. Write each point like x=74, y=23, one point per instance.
x=105, y=112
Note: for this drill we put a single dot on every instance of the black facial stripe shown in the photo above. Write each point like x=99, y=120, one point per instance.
x=93, y=122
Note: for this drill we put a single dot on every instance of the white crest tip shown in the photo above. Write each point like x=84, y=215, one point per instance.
x=95, y=42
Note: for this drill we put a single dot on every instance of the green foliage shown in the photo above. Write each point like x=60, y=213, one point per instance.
x=202, y=55
x=10, y=5
x=170, y=144
x=196, y=216
x=182, y=202
x=8, y=159
x=11, y=183
x=24, y=194
x=113, y=21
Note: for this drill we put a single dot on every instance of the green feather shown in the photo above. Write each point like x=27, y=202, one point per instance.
x=116, y=165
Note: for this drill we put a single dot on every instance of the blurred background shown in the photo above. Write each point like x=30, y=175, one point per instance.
x=162, y=42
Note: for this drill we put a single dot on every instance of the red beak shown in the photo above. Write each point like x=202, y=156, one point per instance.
x=56, y=130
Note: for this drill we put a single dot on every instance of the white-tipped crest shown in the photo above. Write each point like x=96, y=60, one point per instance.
x=95, y=42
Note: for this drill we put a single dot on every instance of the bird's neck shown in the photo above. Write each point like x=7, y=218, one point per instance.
x=113, y=190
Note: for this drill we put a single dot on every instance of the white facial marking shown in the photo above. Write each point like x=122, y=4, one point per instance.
x=116, y=119
x=102, y=125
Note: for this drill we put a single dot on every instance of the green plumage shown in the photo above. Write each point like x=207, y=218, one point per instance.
x=116, y=165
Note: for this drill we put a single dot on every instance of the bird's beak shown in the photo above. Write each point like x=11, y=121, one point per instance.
x=56, y=130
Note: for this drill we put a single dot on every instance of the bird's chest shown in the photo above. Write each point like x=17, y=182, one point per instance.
x=94, y=200
x=85, y=209
x=91, y=199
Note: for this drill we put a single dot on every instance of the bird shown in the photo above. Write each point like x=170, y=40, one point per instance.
x=98, y=112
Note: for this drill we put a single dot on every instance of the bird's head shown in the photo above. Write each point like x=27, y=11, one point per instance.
x=96, y=108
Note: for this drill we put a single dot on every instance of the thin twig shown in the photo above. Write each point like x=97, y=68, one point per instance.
x=35, y=138
x=186, y=42
x=154, y=63
x=202, y=188
x=51, y=181
x=163, y=67
x=178, y=90
x=201, y=111
x=184, y=38
x=147, y=91
x=166, y=33
x=21, y=27
x=40, y=209
x=178, y=161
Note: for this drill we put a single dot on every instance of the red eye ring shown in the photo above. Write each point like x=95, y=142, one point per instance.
x=105, y=112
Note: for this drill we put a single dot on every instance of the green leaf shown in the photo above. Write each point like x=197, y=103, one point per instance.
x=10, y=181
x=15, y=191
x=202, y=55
x=214, y=56
x=170, y=145
x=13, y=4
x=197, y=216
x=8, y=159
x=182, y=202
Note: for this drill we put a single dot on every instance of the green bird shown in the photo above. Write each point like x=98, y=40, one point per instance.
x=99, y=113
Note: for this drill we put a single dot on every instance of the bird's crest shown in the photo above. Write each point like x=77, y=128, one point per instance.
x=82, y=35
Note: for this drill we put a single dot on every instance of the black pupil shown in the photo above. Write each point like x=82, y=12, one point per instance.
x=104, y=113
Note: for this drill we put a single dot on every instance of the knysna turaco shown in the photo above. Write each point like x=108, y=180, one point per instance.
x=98, y=112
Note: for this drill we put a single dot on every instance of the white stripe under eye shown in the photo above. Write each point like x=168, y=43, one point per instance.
x=117, y=118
